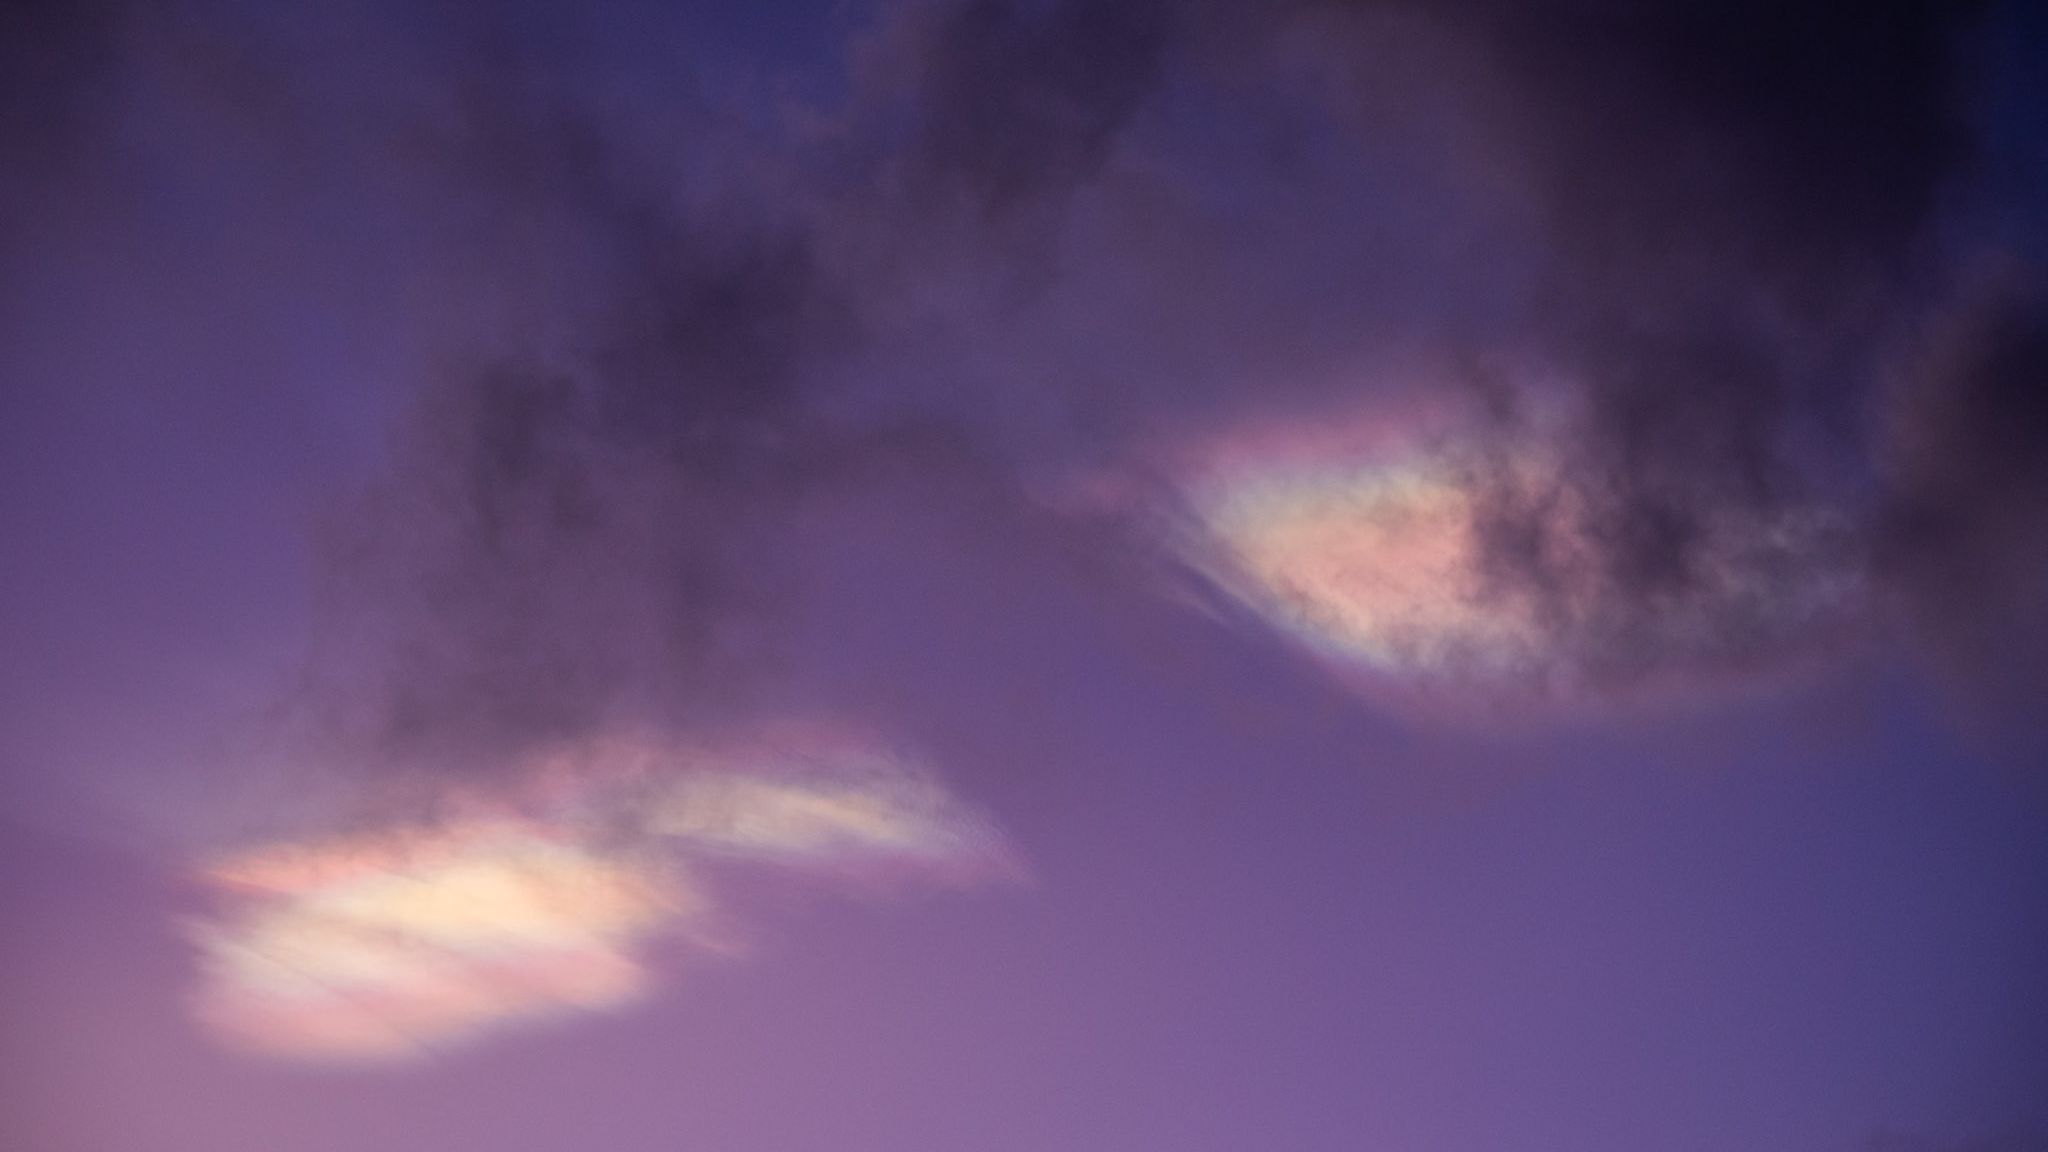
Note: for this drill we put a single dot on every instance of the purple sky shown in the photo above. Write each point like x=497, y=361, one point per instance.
x=1408, y=575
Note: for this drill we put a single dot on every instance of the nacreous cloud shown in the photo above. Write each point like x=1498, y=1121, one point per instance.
x=395, y=943
x=1372, y=559
x=391, y=944
x=1413, y=554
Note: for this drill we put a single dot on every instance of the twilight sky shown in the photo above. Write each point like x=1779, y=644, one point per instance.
x=1403, y=575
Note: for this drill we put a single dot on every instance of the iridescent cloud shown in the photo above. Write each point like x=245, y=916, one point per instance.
x=1373, y=559
x=394, y=943
x=1389, y=549
x=814, y=800
x=1359, y=538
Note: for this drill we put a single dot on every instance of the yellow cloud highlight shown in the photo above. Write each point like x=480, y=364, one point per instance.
x=400, y=942
x=391, y=945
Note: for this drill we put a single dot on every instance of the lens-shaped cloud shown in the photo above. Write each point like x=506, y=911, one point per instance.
x=1361, y=539
x=1415, y=558
x=1375, y=560
x=396, y=943
x=816, y=824
x=392, y=944
x=816, y=799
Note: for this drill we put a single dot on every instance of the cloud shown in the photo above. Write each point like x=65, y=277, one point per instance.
x=539, y=896
x=396, y=944
x=1698, y=230
x=1731, y=202
x=1363, y=545
x=1966, y=516
x=1380, y=549
x=561, y=528
x=1015, y=105
x=1722, y=216
x=1728, y=221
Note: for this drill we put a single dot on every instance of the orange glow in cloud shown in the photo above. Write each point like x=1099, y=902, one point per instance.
x=397, y=943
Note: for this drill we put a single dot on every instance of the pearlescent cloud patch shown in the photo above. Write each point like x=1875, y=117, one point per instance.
x=1372, y=559
x=400, y=941
x=1405, y=553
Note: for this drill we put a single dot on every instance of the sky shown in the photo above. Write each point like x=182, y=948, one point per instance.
x=1407, y=575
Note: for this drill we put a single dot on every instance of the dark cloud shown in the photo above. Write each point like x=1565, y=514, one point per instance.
x=1728, y=211
x=1736, y=195
x=1763, y=135
x=606, y=399
x=579, y=527
x=1013, y=103
x=566, y=535
x=1966, y=524
x=1733, y=210
x=579, y=530
x=1737, y=205
x=1731, y=217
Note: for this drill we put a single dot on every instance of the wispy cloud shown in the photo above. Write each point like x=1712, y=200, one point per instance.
x=510, y=907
